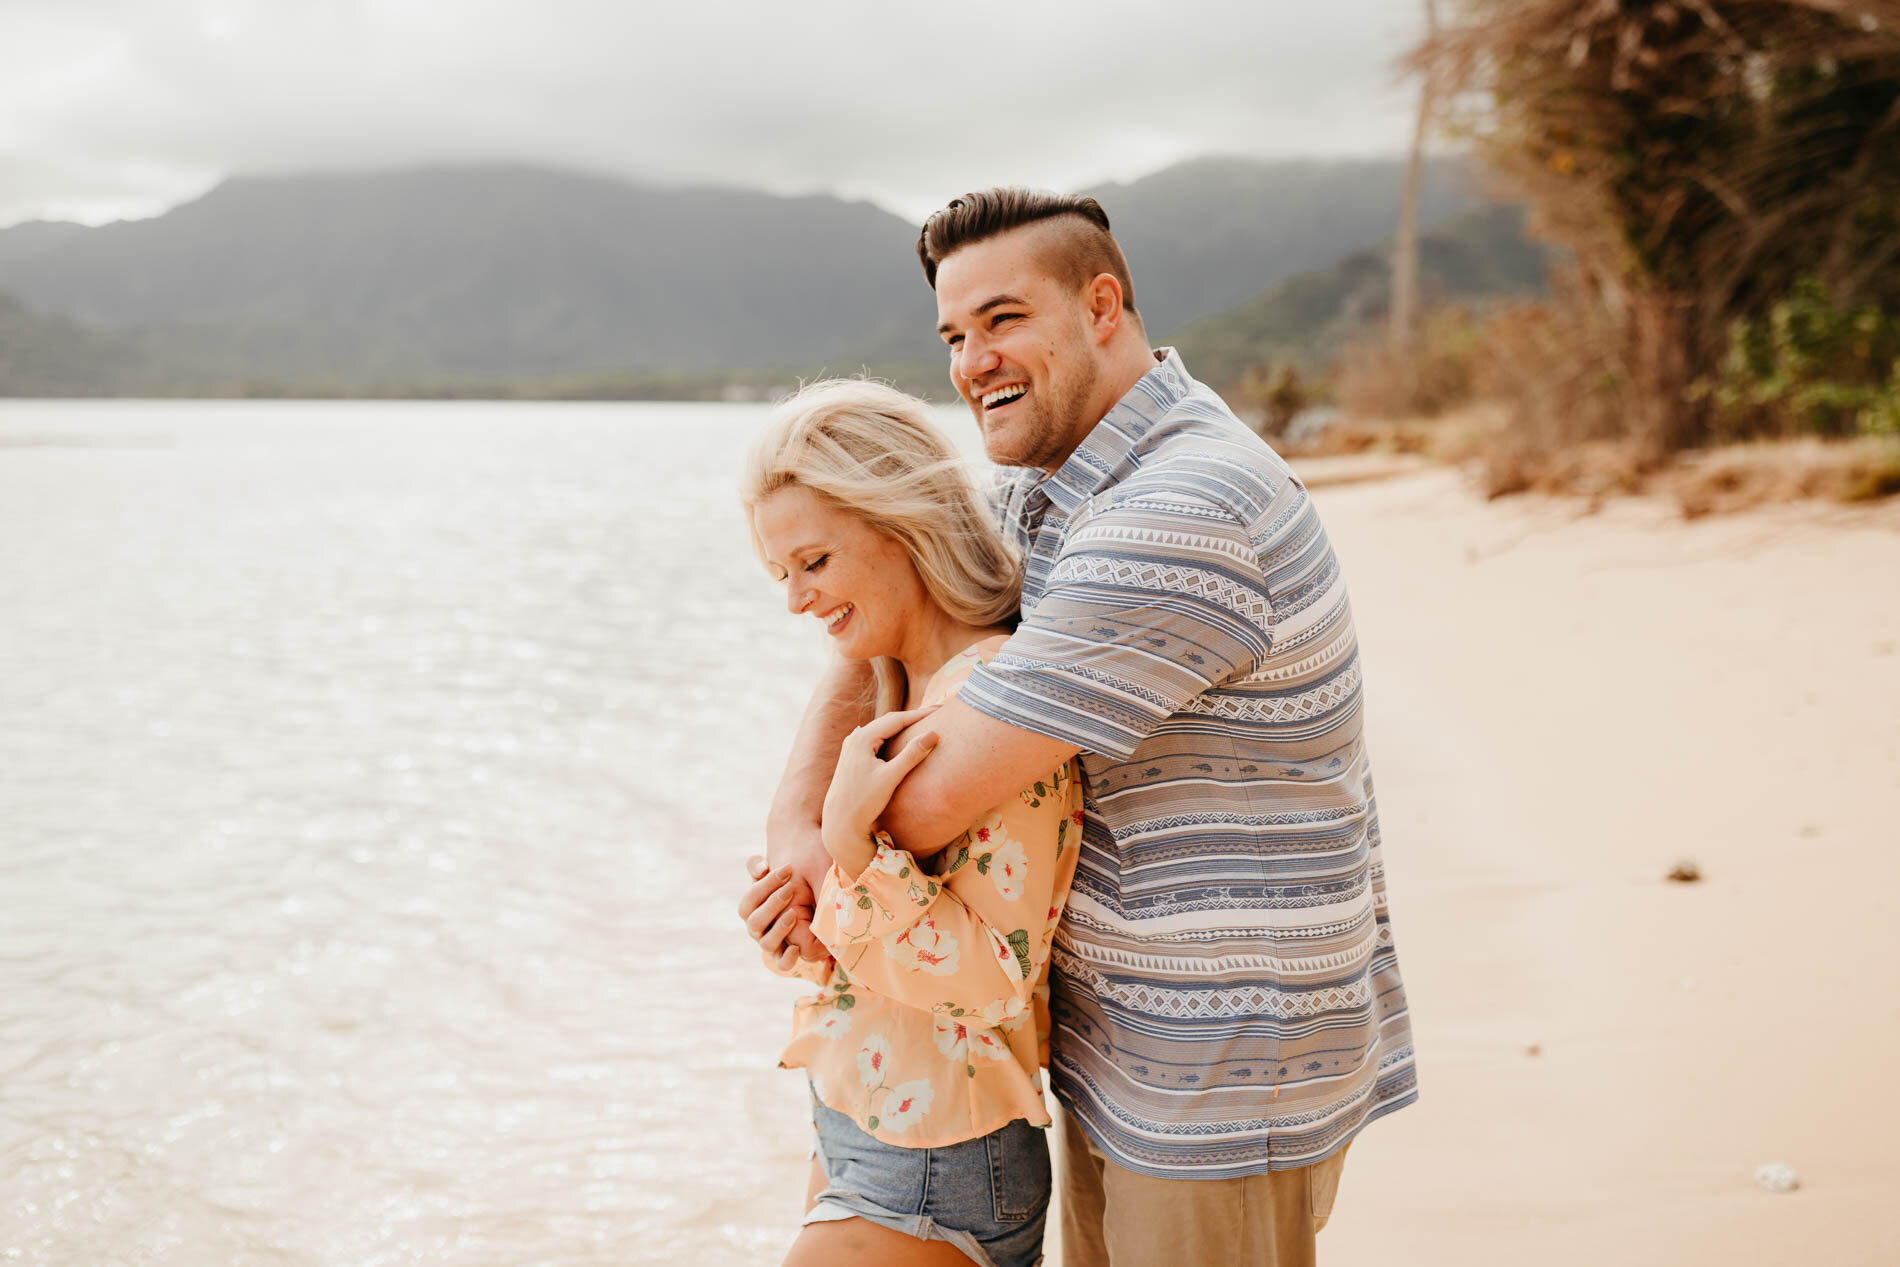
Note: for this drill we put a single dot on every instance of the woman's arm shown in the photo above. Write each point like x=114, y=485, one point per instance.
x=971, y=943
x=792, y=825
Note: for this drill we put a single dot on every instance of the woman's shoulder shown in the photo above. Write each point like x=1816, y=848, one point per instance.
x=960, y=666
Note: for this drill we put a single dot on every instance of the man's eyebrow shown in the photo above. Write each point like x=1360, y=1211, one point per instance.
x=995, y=301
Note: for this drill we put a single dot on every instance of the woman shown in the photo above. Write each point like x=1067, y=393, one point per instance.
x=925, y=1043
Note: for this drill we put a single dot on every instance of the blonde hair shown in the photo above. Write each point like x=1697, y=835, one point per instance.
x=873, y=452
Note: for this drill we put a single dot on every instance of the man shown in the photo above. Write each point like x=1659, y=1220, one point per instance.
x=1226, y=1002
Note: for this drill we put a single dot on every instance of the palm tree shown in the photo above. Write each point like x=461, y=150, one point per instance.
x=1404, y=311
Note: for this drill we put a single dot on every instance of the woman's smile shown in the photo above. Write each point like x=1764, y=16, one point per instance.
x=829, y=559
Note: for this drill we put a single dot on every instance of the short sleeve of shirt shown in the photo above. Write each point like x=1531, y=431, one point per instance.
x=1151, y=601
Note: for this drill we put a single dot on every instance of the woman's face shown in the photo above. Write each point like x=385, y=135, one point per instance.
x=858, y=583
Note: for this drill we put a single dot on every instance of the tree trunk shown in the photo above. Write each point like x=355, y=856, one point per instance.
x=1403, y=317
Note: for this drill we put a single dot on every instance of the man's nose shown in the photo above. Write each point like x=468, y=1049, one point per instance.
x=975, y=357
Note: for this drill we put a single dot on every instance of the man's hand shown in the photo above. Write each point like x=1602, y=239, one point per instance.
x=799, y=847
x=777, y=905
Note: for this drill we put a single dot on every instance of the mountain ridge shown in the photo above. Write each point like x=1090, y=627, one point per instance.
x=457, y=274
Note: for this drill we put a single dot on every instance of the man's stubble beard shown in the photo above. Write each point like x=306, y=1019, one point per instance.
x=1055, y=421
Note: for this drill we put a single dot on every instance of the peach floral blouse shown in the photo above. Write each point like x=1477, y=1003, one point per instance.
x=933, y=1021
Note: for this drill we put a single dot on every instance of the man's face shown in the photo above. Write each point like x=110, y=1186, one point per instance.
x=1021, y=355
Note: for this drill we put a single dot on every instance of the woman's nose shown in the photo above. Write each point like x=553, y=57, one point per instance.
x=797, y=597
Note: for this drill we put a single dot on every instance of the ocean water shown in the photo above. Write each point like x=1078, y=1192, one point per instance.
x=374, y=784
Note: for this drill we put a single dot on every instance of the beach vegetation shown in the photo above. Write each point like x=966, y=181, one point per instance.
x=1723, y=177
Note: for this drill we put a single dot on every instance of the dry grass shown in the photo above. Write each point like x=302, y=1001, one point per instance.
x=1454, y=437
x=1593, y=468
x=1720, y=481
x=1702, y=482
x=1428, y=377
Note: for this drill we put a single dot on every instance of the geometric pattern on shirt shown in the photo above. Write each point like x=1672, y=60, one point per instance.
x=1225, y=758
x=1169, y=578
x=1244, y=1000
x=1267, y=708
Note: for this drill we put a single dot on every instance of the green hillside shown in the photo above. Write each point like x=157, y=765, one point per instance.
x=50, y=356
x=1205, y=236
x=491, y=271
x=511, y=280
x=1306, y=318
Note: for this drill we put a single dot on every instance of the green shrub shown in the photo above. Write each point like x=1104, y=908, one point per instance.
x=1812, y=367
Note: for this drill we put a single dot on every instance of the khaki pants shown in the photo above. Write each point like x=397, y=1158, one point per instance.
x=1113, y=1217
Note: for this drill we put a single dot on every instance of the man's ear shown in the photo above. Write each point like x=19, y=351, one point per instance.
x=1103, y=298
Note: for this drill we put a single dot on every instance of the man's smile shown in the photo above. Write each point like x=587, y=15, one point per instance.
x=997, y=397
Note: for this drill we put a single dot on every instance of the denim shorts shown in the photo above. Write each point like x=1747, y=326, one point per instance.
x=987, y=1196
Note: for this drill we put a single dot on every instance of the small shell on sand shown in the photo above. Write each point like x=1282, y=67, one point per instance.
x=1777, y=1177
x=1686, y=872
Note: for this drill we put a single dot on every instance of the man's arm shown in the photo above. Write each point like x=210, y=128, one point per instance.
x=979, y=763
x=840, y=704
x=1101, y=661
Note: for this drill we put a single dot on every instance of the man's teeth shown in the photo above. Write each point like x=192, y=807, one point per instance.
x=837, y=618
x=1001, y=394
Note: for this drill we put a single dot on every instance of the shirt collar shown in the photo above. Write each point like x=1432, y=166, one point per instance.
x=1106, y=451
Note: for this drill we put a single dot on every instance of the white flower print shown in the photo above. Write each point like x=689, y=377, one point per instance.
x=1008, y=865
x=987, y=834
x=988, y=1042
x=833, y=1025
x=924, y=946
x=888, y=860
x=997, y=1011
x=951, y=1037
x=905, y=1103
x=872, y=1058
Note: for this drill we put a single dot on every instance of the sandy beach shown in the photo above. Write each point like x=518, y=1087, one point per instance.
x=1563, y=705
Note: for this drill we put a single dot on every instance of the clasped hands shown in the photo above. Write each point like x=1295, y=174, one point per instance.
x=777, y=908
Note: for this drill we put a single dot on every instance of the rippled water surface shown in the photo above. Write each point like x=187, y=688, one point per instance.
x=373, y=785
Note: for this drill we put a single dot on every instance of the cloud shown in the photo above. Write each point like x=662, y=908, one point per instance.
x=121, y=106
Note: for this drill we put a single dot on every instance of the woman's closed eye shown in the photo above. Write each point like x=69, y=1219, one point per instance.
x=817, y=563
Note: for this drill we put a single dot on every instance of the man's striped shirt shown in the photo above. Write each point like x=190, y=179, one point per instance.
x=1226, y=997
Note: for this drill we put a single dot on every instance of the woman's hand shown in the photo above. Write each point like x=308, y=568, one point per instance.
x=863, y=784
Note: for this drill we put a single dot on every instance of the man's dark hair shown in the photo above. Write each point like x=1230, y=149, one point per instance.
x=1082, y=249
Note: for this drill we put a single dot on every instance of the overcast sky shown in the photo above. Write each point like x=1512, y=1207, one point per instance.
x=114, y=108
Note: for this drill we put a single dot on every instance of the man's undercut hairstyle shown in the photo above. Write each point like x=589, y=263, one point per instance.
x=1078, y=249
